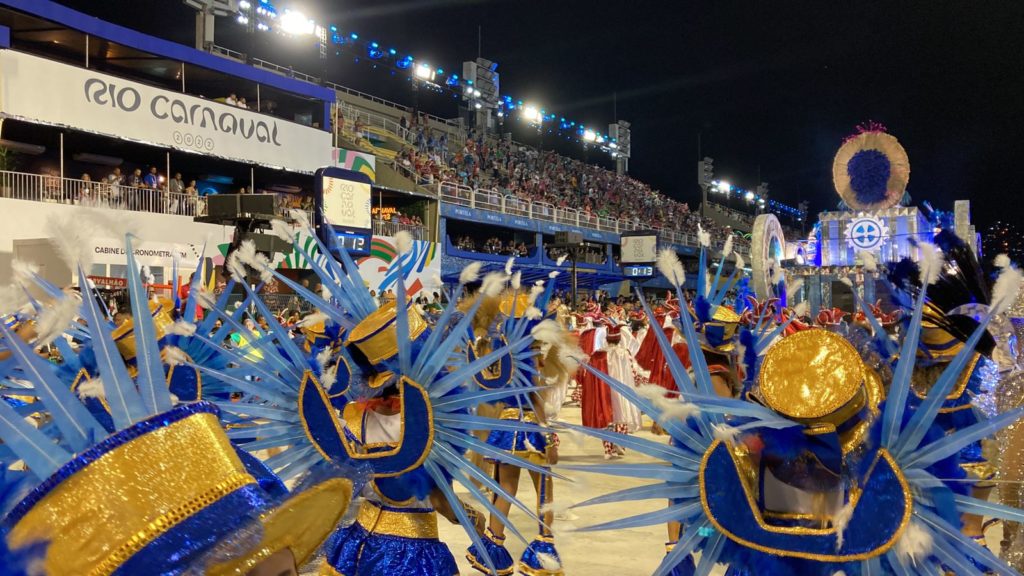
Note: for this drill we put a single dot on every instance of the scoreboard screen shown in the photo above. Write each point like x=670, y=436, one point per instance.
x=638, y=249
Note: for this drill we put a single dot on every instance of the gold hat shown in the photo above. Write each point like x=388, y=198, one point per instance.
x=813, y=376
x=515, y=305
x=719, y=334
x=375, y=335
x=124, y=335
x=115, y=506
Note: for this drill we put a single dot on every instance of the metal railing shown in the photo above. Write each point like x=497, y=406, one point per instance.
x=495, y=201
x=53, y=189
x=386, y=228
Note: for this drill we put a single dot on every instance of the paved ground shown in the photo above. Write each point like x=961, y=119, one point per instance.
x=634, y=552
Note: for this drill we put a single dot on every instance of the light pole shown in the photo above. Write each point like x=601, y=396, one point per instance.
x=705, y=174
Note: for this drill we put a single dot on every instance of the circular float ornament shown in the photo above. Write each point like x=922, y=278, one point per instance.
x=871, y=170
x=767, y=248
x=866, y=233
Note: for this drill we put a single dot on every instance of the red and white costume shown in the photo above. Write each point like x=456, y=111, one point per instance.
x=602, y=407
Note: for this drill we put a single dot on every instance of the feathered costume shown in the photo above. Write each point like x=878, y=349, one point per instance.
x=898, y=497
x=414, y=457
x=156, y=487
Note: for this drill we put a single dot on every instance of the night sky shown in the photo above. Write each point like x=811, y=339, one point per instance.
x=771, y=88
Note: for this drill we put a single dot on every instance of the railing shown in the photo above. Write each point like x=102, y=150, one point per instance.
x=53, y=189
x=385, y=228
x=494, y=201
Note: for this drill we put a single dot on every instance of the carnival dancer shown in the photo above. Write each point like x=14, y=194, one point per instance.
x=296, y=408
x=551, y=361
x=161, y=489
x=603, y=407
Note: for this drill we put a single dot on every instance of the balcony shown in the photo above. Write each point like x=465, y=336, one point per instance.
x=90, y=193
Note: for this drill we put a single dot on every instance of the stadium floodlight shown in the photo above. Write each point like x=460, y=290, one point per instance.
x=424, y=72
x=296, y=23
x=724, y=187
x=532, y=114
x=749, y=196
x=244, y=5
x=589, y=136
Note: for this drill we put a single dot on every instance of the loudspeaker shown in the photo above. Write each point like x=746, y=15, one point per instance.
x=224, y=206
x=568, y=238
x=267, y=242
x=257, y=204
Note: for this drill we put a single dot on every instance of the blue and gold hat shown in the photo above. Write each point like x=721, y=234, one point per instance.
x=376, y=337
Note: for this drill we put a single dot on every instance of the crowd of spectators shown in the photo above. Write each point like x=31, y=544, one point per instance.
x=513, y=169
x=494, y=245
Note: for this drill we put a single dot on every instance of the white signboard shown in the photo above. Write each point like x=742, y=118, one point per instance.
x=40, y=90
x=638, y=249
x=147, y=253
x=347, y=203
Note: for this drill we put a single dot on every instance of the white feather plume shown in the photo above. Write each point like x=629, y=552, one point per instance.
x=71, y=239
x=1006, y=289
x=553, y=274
x=840, y=520
x=56, y=317
x=403, y=241
x=675, y=409
x=493, y=284
x=437, y=281
x=549, y=562
x=282, y=230
x=561, y=259
x=147, y=275
x=562, y=509
x=299, y=216
x=470, y=273
x=12, y=299
x=548, y=332
x=24, y=271
x=517, y=280
x=235, y=267
x=727, y=249
x=323, y=357
x=91, y=388
x=508, y=265
x=846, y=280
x=793, y=288
x=801, y=309
x=931, y=262
x=703, y=236
x=312, y=319
x=174, y=355
x=535, y=291
x=329, y=376
x=262, y=264
x=1001, y=261
x=109, y=222
x=205, y=298
x=533, y=313
x=916, y=543
x=869, y=261
x=740, y=262
x=670, y=266
x=182, y=328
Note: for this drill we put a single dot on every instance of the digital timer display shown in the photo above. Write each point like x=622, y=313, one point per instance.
x=637, y=271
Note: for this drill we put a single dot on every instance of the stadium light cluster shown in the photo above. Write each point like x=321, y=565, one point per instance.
x=292, y=22
x=759, y=197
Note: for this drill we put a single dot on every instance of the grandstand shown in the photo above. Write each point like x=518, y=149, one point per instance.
x=472, y=195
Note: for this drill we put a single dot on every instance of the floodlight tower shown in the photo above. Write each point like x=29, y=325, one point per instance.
x=206, y=11
x=620, y=145
x=705, y=174
x=481, y=93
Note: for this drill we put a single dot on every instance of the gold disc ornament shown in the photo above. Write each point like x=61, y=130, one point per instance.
x=871, y=170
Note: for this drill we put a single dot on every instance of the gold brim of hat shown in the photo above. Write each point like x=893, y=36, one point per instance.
x=124, y=335
x=812, y=375
x=514, y=305
x=300, y=524
x=899, y=169
x=380, y=379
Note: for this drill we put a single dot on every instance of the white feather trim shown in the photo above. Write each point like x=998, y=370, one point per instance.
x=840, y=520
x=652, y=392
x=24, y=271
x=71, y=239
x=535, y=291
x=916, y=543
x=508, y=265
x=674, y=409
x=56, y=317
x=703, y=237
x=493, y=284
x=174, y=355
x=436, y=279
x=403, y=241
x=470, y=273
x=1006, y=289
x=727, y=249
x=670, y=267
x=182, y=328
x=12, y=299
x=299, y=216
x=329, y=376
x=846, y=280
x=235, y=267
x=517, y=280
x=282, y=230
x=549, y=562
x=1001, y=261
x=726, y=433
x=553, y=274
x=91, y=388
x=931, y=262
x=312, y=319
x=561, y=260
x=869, y=261
x=740, y=262
x=323, y=357
x=548, y=331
